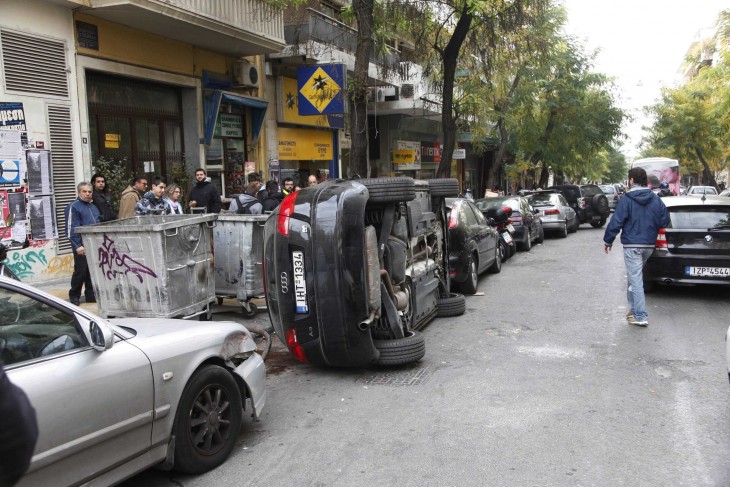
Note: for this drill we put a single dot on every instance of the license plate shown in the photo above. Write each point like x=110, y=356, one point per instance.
x=300, y=282
x=510, y=228
x=707, y=271
x=507, y=237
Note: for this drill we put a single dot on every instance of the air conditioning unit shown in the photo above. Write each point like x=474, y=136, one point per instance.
x=376, y=94
x=407, y=91
x=246, y=74
x=389, y=91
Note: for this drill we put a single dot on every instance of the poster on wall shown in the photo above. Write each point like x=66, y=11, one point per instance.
x=42, y=218
x=12, y=116
x=40, y=180
x=408, y=154
x=13, y=228
x=12, y=160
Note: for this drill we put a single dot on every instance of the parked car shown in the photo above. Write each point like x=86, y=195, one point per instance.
x=526, y=222
x=693, y=249
x=353, y=268
x=701, y=190
x=588, y=201
x=473, y=245
x=115, y=397
x=725, y=192
x=555, y=212
x=611, y=193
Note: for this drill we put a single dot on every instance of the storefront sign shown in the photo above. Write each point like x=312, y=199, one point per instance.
x=111, y=141
x=288, y=105
x=459, y=154
x=403, y=156
x=12, y=116
x=304, y=144
x=87, y=35
x=320, y=89
x=430, y=151
x=412, y=152
x=229, y=126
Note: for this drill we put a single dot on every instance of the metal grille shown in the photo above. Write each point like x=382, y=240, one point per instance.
x=62, y=159
x=34, y=64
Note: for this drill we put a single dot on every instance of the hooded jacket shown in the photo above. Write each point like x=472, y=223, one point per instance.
x=205, y=194
x=151, y=205
x=639, y=215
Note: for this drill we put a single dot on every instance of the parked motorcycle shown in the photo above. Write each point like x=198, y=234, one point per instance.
x=499, y=218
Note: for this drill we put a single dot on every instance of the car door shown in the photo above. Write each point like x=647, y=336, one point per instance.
x=94, y=408
x=528, y=217
x=565, y=207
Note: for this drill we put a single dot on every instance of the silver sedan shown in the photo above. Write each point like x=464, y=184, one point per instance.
x=114, y=397
x=555, y=212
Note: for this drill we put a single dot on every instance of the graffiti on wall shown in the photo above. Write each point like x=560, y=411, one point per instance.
x=113, y=263
x=32, y=263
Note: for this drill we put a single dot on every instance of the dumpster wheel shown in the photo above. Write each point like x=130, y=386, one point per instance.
x=249, y=309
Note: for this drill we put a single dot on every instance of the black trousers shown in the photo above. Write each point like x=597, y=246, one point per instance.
x=81, y=278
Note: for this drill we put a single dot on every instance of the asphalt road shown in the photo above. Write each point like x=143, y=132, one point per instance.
x=540, y=383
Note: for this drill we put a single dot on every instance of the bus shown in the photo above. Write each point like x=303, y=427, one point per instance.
x=660, y=170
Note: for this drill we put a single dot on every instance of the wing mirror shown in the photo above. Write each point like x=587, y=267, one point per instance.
x=102, y=337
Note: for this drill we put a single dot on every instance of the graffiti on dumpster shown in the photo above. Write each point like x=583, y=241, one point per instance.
x=113, y=263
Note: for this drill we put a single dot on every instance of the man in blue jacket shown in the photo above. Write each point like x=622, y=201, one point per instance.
x=639, y=215
x=81, y=212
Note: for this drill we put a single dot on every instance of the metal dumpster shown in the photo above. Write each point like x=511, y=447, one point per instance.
x=152, y=266
x=238, y=242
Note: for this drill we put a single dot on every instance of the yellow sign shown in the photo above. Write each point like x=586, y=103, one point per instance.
x=320, y=89
x=403, y=156
x=111, y=141
x=289, y=109
x=304, y=144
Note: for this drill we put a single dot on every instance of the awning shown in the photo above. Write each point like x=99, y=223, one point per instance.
x=211, y=105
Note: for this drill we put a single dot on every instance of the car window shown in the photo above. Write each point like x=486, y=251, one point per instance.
x=590, y=191
x=571, y=192
x=562, y=200
x=699, y=218
x=477, y=214
x=31, y=328
x=467, y=216
x=538, y=200
x=608, y=189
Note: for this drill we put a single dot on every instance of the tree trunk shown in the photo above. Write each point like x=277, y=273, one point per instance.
x=709, y=177
x=501, y=150
x=358, y=91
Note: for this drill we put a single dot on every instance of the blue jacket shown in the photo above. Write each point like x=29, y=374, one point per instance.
x=639, y=215
x=78, y=214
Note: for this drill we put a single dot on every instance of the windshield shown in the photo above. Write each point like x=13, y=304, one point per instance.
x=538, y=200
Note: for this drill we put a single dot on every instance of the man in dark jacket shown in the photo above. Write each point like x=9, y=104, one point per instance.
x=18, y=431
x=102, y=198
x=639, y=215
x=80, y=212
x=273, y=196
x=204, y=194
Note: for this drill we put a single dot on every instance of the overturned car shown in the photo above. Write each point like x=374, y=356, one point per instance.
x=353, y=268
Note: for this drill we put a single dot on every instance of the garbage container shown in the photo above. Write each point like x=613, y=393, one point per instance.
x=238, y=243
x=152, y=266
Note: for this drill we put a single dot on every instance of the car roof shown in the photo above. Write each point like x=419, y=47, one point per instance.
x=696, y=200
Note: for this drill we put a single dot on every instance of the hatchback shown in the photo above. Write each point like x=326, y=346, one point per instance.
x=555, y=212
x=524, y=219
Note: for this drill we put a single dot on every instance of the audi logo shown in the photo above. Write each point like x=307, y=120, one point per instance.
x=708, y=238
x=284, y=282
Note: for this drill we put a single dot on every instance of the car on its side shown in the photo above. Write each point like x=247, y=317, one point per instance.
x=695, y=190
x=525, y=219
x=354, y=268
x=612, y=193
x=695, y=247
x=114, y=397
x=473, y=245
x=588, y=201
x=555, y=213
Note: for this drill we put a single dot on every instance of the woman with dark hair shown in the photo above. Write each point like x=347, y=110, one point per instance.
x=102, y=198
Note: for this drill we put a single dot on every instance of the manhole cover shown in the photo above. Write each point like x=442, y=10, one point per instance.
x=410, y=377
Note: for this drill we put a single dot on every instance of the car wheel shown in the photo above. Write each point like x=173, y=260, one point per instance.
x=598, y=224
x=452, y=305
x=540, y=236
x=400, y=351
x=447, y=187
x=388, y=190
x=470, y=285
x=574, y=227
x=527, y=243
x=208, y=420
x=563, y=232
x=496, y=266
x=504, y=251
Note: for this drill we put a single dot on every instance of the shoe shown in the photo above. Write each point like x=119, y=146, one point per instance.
x=75, y=301
x=92, y=299
x=634, y=321
x=629, y=316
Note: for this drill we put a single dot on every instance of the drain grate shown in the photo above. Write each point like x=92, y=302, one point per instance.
x=412, y=377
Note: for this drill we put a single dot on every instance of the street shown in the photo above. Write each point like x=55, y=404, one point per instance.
x=540, y=383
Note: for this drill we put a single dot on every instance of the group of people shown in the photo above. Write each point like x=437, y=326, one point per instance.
x=258, y=198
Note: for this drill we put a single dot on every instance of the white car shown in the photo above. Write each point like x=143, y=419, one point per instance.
x=695, y=190
x=114, y=397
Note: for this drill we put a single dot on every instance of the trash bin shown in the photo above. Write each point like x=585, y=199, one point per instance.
x=152, y=266
x=238, y=243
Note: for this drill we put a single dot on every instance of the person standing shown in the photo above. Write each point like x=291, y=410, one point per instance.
x=131, y=196
x=312, y=180
x=638, y=216
x=273, y=196
x=288, y=187
x=172, y=197
x=79, y=213
x=18, y=431
x=247, y=203
x=102, y=198
x=152, y=202
x=204, y=194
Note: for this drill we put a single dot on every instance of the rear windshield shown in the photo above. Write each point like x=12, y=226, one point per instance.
x=541, y=200
x=589, y=191
x=703, y=218
x=608, y=189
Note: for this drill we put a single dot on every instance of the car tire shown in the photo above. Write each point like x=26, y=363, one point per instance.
x=574, y=227
x=563, y=232
x=211, y=396
x=470, y=285
x=540, y=236
x=452, y=305
x=389, y=190
x=504, y=250
x=446, y=187
x=496, y=266
x=598, y=224
x=526, y=245
x=401, y=351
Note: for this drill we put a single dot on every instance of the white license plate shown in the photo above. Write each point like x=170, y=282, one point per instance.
x=708, y=271
x=507, y=237
x=300, y=282
x=510, y=228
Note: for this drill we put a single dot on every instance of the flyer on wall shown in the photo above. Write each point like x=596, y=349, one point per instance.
x=42, y=218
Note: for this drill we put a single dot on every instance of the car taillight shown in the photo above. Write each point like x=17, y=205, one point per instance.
x=293, y=344
x=661, y=240
x=515, y=218
x=286, y=208
x=453, y=218
x=552, y=212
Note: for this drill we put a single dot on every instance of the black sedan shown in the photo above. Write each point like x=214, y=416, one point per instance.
x=525, y=219
x=695, y=247
x=473, y=245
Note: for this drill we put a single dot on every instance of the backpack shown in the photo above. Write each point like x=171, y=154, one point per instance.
x=245, y=208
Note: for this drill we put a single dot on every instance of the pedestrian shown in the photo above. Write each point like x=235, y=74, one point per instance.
x=18, y=431
x=312, y=180
x=172, y=197
x=273, y=197
x=246, y=203
x=638, y=216
x=102, y=198
x=153, y=203
x=288, y=186
x=664, y=190
x=131, y=196
x=204, y=194
x=79, y=213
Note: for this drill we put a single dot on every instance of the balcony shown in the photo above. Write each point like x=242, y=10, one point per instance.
x=234, y=27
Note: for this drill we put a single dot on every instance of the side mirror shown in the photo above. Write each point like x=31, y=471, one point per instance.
x=102, y=338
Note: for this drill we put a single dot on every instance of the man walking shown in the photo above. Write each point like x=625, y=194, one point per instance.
x=131, y=196
x=204, y=194
x=79, y=213
x=639, y=215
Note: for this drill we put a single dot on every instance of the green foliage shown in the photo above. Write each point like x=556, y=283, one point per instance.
x=117, y=175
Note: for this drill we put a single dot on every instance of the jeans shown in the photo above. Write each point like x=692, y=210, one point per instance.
x=635, y=260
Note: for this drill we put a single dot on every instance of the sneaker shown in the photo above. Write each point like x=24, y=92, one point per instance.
x=634, y=321
x=629, y=316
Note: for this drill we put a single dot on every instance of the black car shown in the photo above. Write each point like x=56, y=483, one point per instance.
x=473, y=245
x=588, y=201
x=354, y=267
x=695, y=247
x=524, y=219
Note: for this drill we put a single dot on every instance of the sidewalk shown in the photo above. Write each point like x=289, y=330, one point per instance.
x=59, y=288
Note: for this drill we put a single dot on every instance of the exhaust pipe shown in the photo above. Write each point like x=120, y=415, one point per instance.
x=367, y=322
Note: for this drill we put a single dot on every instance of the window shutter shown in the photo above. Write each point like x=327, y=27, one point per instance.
x=34, y=65
x=62, y=159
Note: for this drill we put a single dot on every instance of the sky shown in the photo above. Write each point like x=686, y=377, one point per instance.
x=642, y=45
